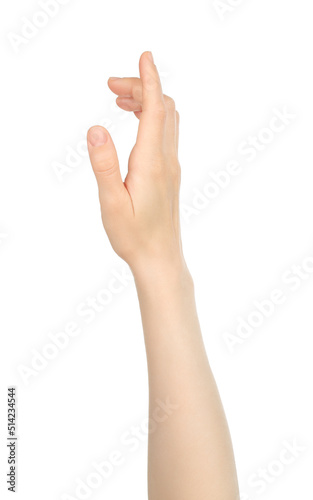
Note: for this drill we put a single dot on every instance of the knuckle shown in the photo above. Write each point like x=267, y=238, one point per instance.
x=107, y=169
x=151, y=81
x=160, y=111
x=170, y=103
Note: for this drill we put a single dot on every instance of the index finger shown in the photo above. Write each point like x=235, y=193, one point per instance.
x=152, y=119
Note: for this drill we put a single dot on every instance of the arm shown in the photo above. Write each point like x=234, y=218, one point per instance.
x=190, y=455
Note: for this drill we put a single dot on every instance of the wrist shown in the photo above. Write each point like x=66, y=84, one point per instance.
x=162, y=274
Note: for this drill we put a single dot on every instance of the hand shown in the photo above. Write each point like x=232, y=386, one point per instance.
x=141, y=214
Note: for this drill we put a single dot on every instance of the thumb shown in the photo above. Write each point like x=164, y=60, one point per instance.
x=105, y=163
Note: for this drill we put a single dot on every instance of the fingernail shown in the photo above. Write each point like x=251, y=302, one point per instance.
x=149, y=54
x=97, y=137
x=114, y=78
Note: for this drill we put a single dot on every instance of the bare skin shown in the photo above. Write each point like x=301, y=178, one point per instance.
x=190, y=455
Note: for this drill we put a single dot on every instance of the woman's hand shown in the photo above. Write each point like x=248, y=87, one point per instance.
x=141, y=218
x=141, y=214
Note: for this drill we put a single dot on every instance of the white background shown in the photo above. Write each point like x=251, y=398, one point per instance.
x=227, y=73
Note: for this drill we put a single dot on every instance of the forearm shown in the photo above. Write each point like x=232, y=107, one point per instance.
x=190, y=453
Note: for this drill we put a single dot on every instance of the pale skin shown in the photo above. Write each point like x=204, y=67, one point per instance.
x=190, y=454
